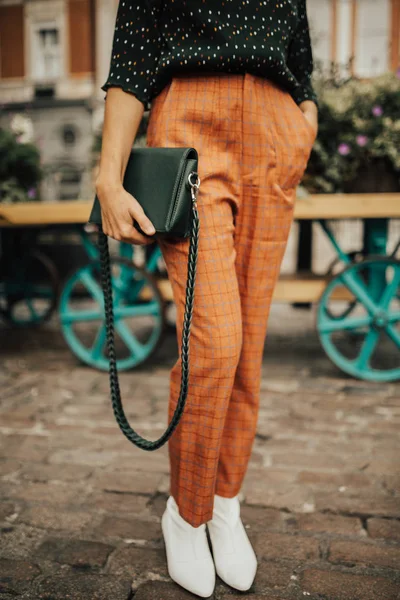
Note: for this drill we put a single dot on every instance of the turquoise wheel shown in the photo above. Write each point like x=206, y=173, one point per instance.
x=139, y=314
x=336, y=267
x=364, y=342
x=29, y=289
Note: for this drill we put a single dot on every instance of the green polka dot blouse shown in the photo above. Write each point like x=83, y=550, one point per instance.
x=154, y=39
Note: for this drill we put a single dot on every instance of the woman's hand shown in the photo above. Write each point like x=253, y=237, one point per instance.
x=118, y=211
x=310, y=112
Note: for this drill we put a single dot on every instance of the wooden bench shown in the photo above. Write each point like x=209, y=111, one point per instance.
x=291, y=288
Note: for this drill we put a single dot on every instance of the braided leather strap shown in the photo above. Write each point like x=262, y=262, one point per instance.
x=116, y=401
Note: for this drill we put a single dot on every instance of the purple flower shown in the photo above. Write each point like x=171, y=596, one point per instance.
x=362, y=140
x=32, y=192
x=344, y=149
x=398, y=73
x=377, y=111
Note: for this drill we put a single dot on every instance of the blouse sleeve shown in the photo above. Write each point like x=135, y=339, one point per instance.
x=300, y=58
x=136, y=49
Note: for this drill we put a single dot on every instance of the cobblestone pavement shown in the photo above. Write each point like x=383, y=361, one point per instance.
x=80, y=507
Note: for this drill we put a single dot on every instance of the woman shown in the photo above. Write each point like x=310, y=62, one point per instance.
x=232, y=79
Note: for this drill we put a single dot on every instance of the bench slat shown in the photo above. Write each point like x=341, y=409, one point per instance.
x=318, y=206
x=290, y=288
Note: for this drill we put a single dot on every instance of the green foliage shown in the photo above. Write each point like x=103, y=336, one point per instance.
x=359, y=131
x=20, y=170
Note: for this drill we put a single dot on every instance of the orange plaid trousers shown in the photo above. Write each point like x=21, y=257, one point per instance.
x=253, y=143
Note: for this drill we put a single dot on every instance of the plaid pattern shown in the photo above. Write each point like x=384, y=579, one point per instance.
x=253, y=143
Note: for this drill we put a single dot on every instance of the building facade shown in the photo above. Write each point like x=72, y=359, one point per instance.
x=54, y=56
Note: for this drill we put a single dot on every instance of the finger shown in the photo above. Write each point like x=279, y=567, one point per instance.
x=139, y=241
x=130, y=234
x=137, y=213
x=137, y=238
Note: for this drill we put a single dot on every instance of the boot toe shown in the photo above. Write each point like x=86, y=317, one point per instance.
x=199, y=579
x=239, y=576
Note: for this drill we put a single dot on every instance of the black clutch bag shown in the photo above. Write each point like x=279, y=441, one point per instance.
x=165, y=182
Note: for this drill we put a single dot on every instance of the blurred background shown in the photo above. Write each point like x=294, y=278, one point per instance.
x=54, y=56
x=79, y=511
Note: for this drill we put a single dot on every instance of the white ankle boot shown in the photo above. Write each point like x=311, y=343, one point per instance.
x=234, y=558
x=189, y=559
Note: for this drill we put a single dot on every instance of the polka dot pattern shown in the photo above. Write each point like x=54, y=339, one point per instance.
x=156, y=39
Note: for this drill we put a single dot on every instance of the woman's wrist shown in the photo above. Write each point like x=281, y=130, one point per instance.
x=107, y=184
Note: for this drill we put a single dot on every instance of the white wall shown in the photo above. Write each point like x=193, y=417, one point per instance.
x=320, y=19
x=373, y=35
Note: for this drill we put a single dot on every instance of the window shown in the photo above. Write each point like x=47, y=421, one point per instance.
x=47, y=53
x=372, y=38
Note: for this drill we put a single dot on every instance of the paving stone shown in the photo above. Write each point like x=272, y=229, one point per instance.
x=31, y=448
x=352, y=553
x=383, y=466
x=162, y=590
x=117, y=503
x=384, y=528
x=51, y=517
x=325, y=523
x=49, y=492
x=273, y=576
x=229, y=596
x=391, y=483
x=150, y=464
x=359, y=388
x=335, y=585
x=139, y=482
x=78, y=553
x=290, y=497
x=156, y=505
x=56, y=472
x=139, y=564
x=366, y=505
x=19, y=541
x=336, y=480
x=254, y=517
x=91, y=458
x=317, y=461
x=6, y=509
x=134, y=529
x=82, y=586
x=8, y=466
x=277, y=546
x=16, y=575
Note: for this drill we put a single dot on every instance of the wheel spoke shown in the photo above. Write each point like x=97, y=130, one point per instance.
x=358, y=288
x=93, y=287
x=394, y=317
x=348, y=323
x=98, y=346
x=390, y=290
x=74, y=316
x=393, y=334
x=32, y=309
x=140, y=310
x=130, y=340
x=367, y=349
